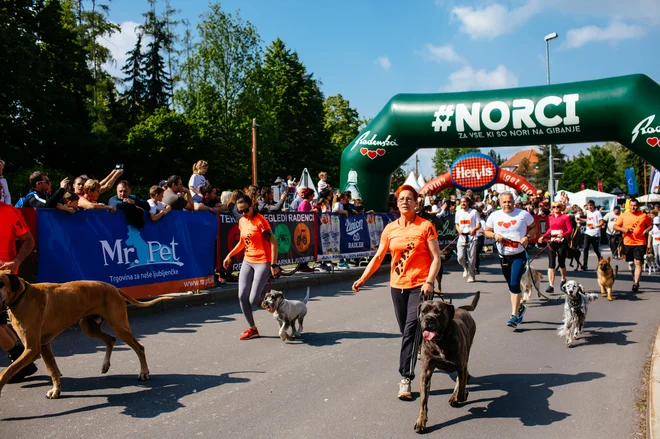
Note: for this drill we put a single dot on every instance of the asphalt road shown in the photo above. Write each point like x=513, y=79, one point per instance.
x=340, y=380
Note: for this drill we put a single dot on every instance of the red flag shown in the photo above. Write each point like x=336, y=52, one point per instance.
x=600, y=185
x=582, y=185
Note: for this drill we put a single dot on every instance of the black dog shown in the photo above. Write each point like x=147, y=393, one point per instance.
x=448, y=336
x=573, y=254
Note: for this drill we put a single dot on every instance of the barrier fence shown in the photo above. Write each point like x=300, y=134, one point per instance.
x=182, y=250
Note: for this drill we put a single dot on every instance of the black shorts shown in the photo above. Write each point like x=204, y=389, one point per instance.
x=557, y=250
x=4, y=318
x=635, y=252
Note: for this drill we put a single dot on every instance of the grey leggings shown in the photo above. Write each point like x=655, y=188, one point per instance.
x=251, y=282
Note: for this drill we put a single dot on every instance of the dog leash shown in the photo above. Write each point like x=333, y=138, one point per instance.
x=449, y=245
x=529, y=261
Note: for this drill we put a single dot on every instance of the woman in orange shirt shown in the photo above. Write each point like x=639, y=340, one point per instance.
x=413, y=243
x=260, y=251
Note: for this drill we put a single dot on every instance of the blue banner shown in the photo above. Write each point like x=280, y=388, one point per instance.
x=178, y=251
x=631, y=179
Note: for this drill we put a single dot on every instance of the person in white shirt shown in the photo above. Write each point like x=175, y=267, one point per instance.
x=322, y=183
x=512, y=229
x=594, y=222
x=467, y=224
x=654, y=239
x=157, y=209
x=198, y=180
x=613, y=236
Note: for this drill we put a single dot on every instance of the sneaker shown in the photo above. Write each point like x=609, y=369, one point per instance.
x=470, y=280
x=405, y=392
x=249, y=333
x=550, y=289
x=635, y=287
x=343, y=266
x=28, y=370
x=521, y=312
x=513, y=321
x=465, y=274
x=561, y=285
x=306, y=269
x=585, y=268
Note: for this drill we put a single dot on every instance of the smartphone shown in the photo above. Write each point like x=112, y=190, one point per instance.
x=119, y=166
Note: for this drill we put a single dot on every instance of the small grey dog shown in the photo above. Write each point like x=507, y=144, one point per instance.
x=286, y=312
x=575, y=311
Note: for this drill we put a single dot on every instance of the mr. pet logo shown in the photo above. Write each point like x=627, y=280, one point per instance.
x=474, y=171
x=644, y=128
x=136, y=252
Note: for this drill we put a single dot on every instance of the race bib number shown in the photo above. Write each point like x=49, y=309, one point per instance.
x=465, y=222
x=657, y=238
x=590, y=226
x=509, y=244
x=556, y=232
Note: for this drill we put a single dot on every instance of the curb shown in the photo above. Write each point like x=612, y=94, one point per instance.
x=653, y=415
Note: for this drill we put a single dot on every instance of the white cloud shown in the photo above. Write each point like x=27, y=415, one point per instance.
x=441, y=53
x=614, y=32
x=119, y=43
x=467, y=79
x=646, y=11
x=494, y=20
x=384, y=63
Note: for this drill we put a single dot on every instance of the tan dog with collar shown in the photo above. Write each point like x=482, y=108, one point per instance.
x=39, y=312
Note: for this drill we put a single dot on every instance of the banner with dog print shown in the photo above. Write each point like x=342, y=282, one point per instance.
x=295, y=234
x=176, y=253
x=354, y=236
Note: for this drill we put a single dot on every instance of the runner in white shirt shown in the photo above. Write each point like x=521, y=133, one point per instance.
x=594, y=221
x=467, y=224
x=654, y=239
x=512, y=229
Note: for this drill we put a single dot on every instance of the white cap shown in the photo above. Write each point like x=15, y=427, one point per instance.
x=656, y=220
x=435, y=209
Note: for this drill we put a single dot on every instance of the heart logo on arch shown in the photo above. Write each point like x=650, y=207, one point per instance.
x=380, y=152
x=364, y=151
x=372, y=154
x=652, y=141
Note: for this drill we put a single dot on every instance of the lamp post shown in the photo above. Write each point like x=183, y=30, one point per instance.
x=551, y=165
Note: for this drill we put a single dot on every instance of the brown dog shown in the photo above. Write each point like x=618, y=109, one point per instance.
x=606, y=277
x=447, y=339
x=40, y=312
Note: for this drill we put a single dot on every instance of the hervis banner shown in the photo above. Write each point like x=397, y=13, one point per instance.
x=294, y=233
x=176, y=253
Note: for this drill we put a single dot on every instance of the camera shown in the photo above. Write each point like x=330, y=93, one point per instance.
x=119, y=166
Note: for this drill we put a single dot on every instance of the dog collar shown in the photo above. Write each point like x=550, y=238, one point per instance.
x=18, y=299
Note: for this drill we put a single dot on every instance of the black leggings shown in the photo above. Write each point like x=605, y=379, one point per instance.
x=557, y=251
x=614, y=241
x=405, y=309
x=480, y=246
x=593, y=241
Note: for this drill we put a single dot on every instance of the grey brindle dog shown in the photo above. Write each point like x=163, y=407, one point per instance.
x=448, y=334
x=286, y=312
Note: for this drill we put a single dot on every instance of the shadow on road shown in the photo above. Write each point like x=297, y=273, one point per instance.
x=159, y=395
x=319, y=339
x=526, y=398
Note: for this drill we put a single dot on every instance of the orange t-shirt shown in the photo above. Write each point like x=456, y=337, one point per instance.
x=411, y=257
x=637, y=222
x=12, y=226
x=257, y=247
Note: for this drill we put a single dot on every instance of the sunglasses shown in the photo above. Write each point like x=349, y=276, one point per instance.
x=244, y=211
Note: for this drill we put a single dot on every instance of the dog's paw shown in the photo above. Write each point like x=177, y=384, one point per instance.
x=53, y=393
x=284, y=336
x=144, y=376
x=105, y=368
x=420, y=425
x=453, y=401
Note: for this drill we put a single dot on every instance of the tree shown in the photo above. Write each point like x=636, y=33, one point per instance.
x=598, y=164
x=525, y=168
x=158, y=84
x=542, y=175
x=398, y=178
x=444, y=157
x=134, y=95
x=341, y=125
x=495, y=156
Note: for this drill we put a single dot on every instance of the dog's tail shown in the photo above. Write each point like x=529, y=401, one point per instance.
x=591, y=296
x=562, y=331
x=306, y=297
x=616, y=271
x=473, y=305
x=142, y=304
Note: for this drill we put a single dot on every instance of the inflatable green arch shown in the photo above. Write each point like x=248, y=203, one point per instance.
x=621, y=109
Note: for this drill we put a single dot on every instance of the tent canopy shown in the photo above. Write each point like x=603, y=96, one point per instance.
x=651, y=198
x=608, y=201
x=568, y=194
x=412, y=181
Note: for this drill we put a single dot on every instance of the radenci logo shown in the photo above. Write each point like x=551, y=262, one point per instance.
x=136, y=252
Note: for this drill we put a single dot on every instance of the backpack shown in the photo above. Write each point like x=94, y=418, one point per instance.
x=21, y=201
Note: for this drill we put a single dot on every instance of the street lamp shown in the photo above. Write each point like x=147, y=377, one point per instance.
x=551, y=167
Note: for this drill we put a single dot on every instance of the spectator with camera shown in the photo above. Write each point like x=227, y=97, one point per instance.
x=90, y=198
x=106, y=183
x=41, y=187
x=266, y=202
x=124, y=198
x=177, y=196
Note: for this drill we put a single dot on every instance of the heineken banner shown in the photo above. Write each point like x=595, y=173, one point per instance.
x=354, y=236
x=294, y=232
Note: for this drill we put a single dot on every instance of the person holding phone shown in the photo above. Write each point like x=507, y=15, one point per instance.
x=259, y=260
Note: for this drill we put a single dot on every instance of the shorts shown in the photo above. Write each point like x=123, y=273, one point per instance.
x=513, y=268
x=635, y=252
x=557, y=250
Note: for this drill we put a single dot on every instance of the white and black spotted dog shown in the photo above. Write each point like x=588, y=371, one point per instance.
x=286, y=312
x=650, y=265
x=575, y=311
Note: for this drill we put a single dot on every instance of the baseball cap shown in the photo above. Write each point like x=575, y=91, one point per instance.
x=616, y=208
x=162, y=183
x=656, y=220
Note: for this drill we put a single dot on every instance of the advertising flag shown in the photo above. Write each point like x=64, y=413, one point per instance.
x=631, y=179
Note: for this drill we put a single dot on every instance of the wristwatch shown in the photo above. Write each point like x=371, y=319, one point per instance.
x=274, y=266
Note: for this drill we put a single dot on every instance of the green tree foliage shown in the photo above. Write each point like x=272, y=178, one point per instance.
x=540, y=179
x=444, y=157
x=525, y=168
x=158, y=84
x=341, y=124
x=598, y=164
x=398, y=178
x=495, y=156
x=135, y=82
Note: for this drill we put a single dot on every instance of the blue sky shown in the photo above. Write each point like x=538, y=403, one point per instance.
x=369, y=51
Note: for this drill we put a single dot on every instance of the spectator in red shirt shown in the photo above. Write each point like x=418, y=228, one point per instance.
x=13, y=228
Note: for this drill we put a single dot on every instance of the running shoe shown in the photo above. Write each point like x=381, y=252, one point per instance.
x=343, y=266
x=635, y=287
x=521, y=313
x=550, y=289
x=471, y=280
x=306, y=269
x=405, y=391
x=465, y=274
x=249, y=333
x=513, y=321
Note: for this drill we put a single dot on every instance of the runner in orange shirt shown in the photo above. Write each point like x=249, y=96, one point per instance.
x=13, y=228
x=413, y=244
x=634, y=225
x=259, y=262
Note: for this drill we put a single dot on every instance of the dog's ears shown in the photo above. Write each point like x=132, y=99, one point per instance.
x=563, y=288
x=609, y=259
x=451, y=311
x=14, y=282
x=580, y=289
